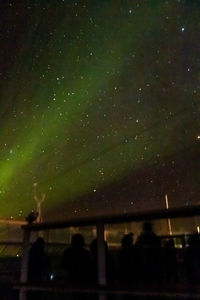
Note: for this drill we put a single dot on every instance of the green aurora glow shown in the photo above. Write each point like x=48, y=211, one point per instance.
x=92, y=91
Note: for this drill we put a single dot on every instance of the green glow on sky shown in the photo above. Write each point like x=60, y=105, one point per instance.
x=92, y=92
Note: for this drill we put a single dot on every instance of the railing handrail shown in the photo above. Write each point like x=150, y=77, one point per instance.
x=177, y=212
x=173, y=294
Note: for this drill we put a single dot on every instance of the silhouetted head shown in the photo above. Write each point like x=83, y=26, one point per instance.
x=39, y=243
x=147, y=227
x=127, y=240
x=77, y=241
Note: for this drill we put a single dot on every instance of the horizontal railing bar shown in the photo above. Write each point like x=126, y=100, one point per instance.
x=171, y=294
x=20, y=243
x=186, y=211
x=11, y=243
x=12, y=222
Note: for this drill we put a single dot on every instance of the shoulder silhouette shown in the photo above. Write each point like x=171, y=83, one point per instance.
x=148, y=237
x=76, y=260
x=38, y=261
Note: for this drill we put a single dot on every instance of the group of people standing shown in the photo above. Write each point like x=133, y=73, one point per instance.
x=143, y=261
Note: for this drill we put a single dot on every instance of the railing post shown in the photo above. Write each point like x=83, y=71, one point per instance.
x=24, y=264
x=101, y=255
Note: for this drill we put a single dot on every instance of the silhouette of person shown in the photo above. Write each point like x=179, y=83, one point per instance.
x=148, y=245
x=148, y=237
x=76, y=260
x=128, y=260
x=38, y=266
x=192, y=261
x=169, y=262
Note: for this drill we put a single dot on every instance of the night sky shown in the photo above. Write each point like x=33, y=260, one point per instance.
x=99, y=105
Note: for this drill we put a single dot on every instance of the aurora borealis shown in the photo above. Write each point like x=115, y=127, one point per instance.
x=99, y=104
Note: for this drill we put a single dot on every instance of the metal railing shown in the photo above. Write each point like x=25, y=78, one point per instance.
x=101, y=289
